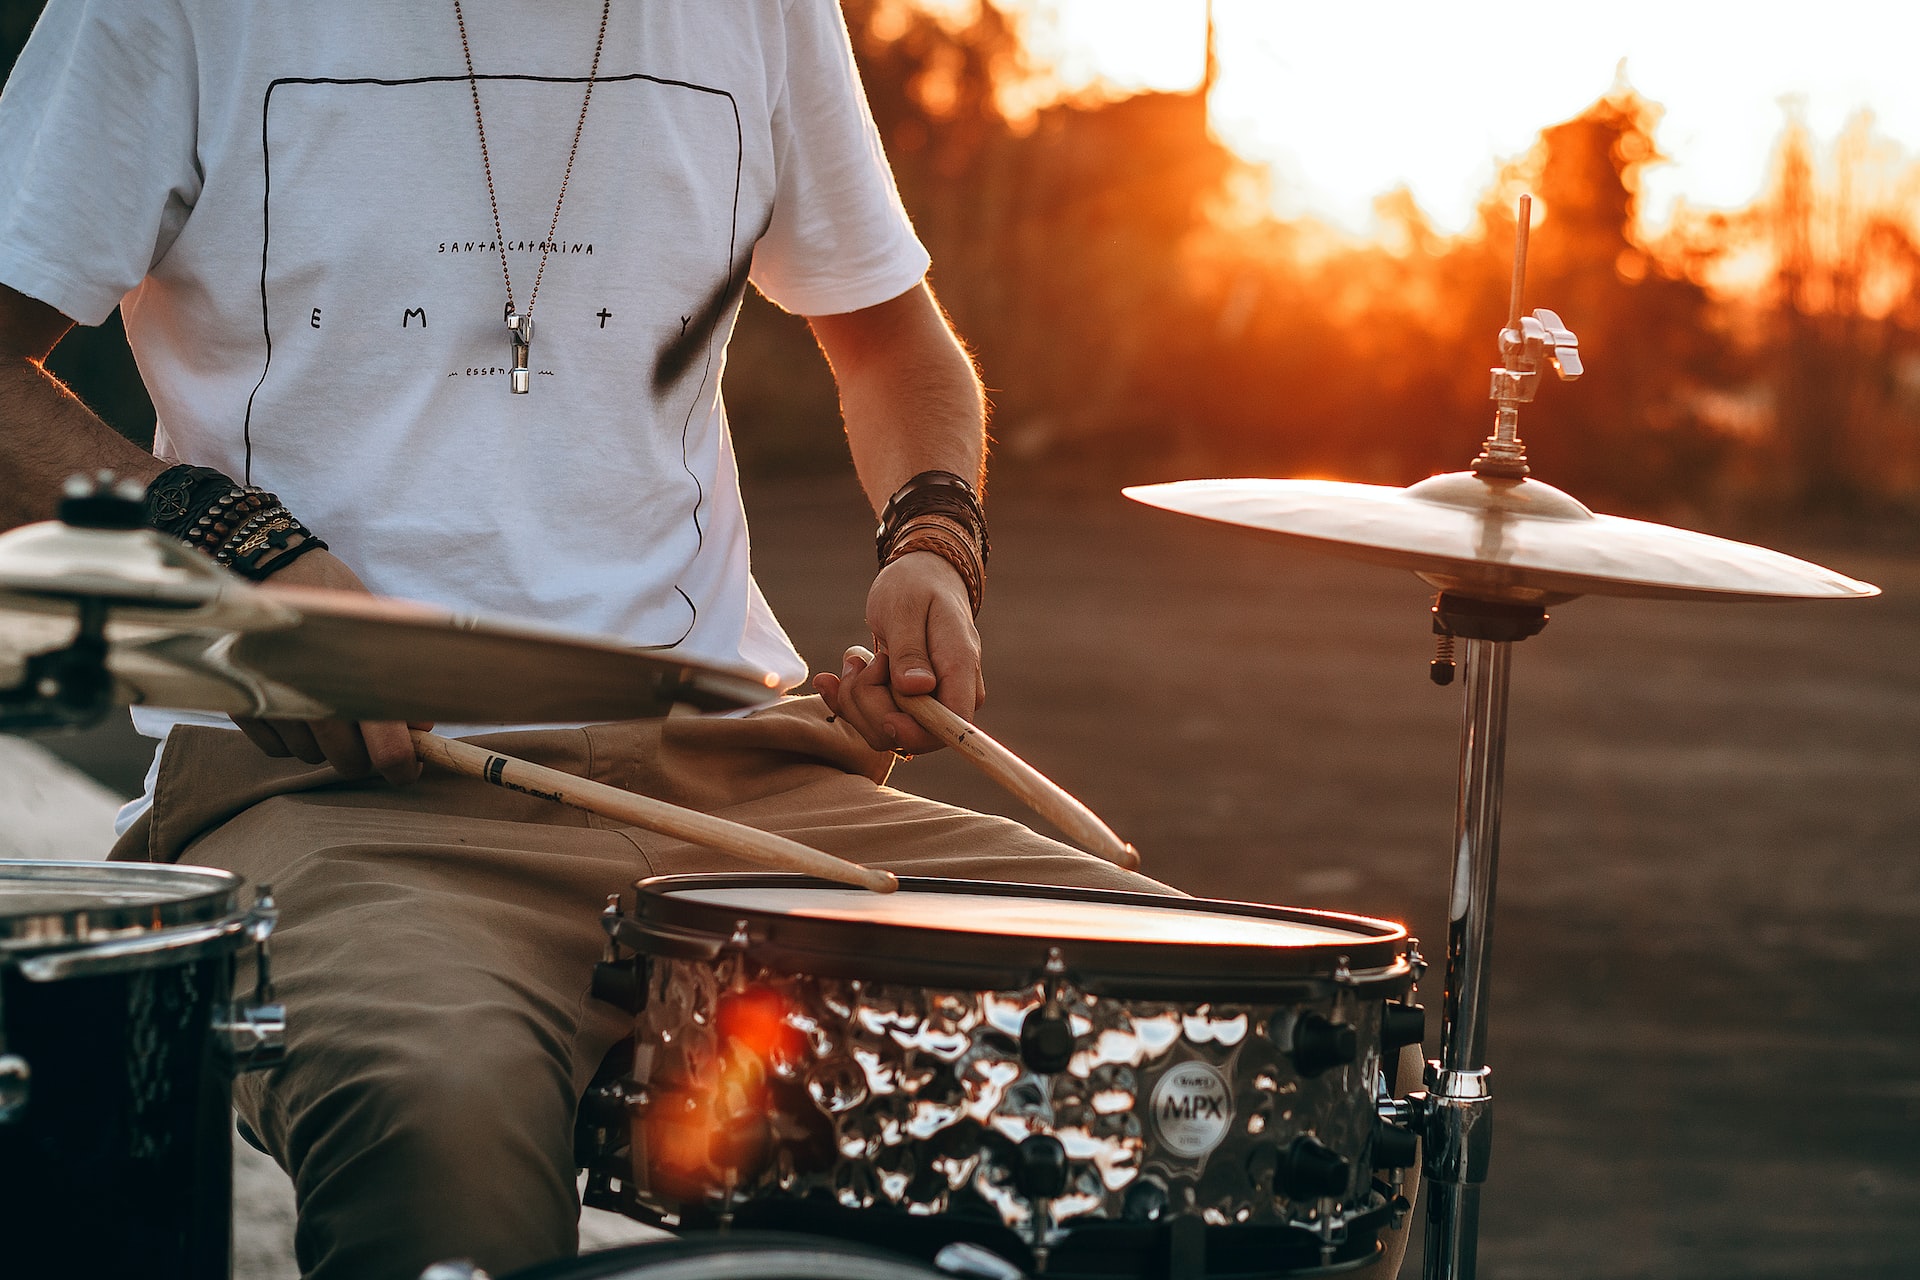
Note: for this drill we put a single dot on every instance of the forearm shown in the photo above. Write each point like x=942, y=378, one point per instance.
x=909, y=395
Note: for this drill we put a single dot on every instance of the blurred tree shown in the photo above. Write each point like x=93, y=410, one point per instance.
x=1845, y=325
x=1057, y=239
x=1138, y=315
x=1633, y=432
x=1368, y=360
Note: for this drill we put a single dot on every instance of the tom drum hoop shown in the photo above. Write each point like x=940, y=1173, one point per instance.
x=118, y=1044
x=1094, y=1083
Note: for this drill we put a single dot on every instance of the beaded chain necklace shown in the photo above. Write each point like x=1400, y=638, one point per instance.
x=519, y=323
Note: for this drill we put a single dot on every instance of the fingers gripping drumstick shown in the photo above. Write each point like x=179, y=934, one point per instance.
x=1031, y=786
x=643, y=811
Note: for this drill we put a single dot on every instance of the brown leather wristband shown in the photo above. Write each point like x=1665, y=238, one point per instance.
x=949, y=540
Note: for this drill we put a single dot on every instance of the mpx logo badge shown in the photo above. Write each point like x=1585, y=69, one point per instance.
x=1191, y=1108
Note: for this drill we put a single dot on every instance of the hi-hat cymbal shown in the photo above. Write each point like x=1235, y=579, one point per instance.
x=46, y=567
x=182, y=633
x=1491, y=538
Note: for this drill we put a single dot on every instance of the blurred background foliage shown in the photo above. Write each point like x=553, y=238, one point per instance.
x=1138, y=316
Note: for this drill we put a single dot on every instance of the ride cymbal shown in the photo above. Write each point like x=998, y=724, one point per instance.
x=1492, y=538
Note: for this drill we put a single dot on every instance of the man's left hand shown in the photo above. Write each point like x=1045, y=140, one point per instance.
x=924, y=642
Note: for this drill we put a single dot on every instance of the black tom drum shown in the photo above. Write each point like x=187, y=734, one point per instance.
x=118, y=1044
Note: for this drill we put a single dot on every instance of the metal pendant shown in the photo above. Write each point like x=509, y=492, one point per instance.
x=520, y=328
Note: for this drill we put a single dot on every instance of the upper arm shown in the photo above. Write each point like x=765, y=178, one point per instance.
x=869, y=334
x=99, y=167
x=838, y=236
x=29, y=328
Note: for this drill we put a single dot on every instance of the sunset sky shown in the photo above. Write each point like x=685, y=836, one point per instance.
x=1348, y=101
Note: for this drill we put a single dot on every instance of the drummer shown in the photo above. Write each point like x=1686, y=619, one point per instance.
x=342, y=403
x=339, y=407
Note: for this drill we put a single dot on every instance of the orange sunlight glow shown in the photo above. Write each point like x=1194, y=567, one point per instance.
x=1345, y=103
x=704, y=1131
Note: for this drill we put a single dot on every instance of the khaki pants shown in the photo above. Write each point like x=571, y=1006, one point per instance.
x=437, y=942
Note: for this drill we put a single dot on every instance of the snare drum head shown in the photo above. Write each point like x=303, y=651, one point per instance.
x=974, y=933
x=50, y=904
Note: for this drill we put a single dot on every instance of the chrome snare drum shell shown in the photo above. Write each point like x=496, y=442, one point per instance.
x=116, y=1062
x=1041, y=1063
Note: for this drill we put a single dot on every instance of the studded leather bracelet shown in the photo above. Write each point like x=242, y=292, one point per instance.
x=242, y=527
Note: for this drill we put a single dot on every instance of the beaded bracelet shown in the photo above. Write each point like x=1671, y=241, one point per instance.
x=242, y=527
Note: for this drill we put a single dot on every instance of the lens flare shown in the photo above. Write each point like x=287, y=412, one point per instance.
x=709, y=1132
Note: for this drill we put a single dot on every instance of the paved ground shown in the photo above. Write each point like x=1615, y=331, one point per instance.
x=1704, y=1014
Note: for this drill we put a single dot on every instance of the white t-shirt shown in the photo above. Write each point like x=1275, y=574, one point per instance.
x=288, y=203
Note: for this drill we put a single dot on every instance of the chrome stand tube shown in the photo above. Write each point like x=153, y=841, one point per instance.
x=1476, y=855
x=1458, y=1106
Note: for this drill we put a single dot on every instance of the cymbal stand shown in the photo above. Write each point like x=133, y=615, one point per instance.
x=1456, y=1109
x=1457, y=1106
x=71, y=687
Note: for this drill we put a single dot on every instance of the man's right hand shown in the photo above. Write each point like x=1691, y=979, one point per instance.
x=356, y=749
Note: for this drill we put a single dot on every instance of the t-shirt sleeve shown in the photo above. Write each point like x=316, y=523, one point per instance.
x=98, y=167
x=839, y=238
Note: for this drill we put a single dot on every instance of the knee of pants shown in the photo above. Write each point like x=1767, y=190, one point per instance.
x=419, y=1157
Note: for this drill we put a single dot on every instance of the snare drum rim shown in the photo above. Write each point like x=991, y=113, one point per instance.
x=198, y=895
x=665, y=922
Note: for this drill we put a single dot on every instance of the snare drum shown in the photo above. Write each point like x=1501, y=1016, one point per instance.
x=118, y=1043
x=1087, y=1082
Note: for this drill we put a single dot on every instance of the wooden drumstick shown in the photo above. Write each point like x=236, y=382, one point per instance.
x=736, y=838
x=1039, y=792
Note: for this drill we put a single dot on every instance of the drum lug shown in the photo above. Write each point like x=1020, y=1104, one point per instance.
x=1040, y=1167
x=1320, y=1045
x=1402, y=1025
x=15, y=1084
x=1046, y=1039
x=619, y=980
x=621, y=983
x=255, y=1033
x=604, y=1122
x=1394, y=1146
x=1311, y=1170
x=1040, y=1176
x=1417, y=964
x=16, y=1077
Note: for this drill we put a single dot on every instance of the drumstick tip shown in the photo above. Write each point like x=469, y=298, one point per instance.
x=1129, y=857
